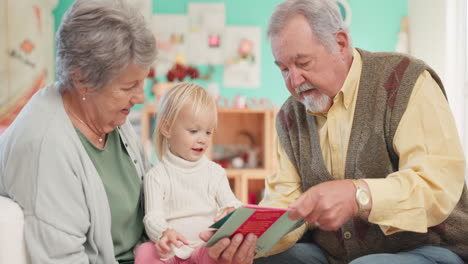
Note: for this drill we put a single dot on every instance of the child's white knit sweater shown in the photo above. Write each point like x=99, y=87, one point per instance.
x=185, y=196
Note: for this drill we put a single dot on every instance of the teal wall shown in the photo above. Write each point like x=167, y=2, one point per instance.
x=374, y=26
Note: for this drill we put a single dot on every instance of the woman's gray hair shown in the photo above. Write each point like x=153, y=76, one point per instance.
x=323, y=16
x=99, y=39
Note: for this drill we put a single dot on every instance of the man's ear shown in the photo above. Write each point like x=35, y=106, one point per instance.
x=342, y=40
x=166, y=129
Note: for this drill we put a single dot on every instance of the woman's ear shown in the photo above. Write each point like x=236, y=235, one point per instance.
x=166, y=129
x=76, y=79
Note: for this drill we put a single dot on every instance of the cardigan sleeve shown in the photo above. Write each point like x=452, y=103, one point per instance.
x=43, y=181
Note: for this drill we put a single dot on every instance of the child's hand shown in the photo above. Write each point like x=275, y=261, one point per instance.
x=170, y=236
x=224, y=213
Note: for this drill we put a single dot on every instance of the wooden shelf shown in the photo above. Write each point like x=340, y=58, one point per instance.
x=257, y=124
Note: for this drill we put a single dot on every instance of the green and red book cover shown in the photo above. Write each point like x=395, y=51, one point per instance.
x=267, y=223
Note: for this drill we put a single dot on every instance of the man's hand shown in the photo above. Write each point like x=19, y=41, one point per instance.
x=327, y=205
x=235, y=251
x=170, y=236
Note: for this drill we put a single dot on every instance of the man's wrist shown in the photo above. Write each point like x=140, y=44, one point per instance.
x=363, y=198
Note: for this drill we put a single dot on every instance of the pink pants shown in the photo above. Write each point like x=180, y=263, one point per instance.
x=146, y=254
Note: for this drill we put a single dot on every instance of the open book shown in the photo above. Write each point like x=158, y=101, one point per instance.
x=268, y=224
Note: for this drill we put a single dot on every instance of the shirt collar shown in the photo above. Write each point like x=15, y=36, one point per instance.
x=350, y=86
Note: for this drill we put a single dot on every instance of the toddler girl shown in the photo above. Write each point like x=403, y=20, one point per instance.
x=185, y=191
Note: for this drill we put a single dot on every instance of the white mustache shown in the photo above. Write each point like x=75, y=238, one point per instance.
x=304, y=87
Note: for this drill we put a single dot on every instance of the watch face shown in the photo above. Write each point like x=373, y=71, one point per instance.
x=362, y=197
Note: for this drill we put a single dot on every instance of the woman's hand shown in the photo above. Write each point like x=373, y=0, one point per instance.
x=170, y=236
x=235, y=251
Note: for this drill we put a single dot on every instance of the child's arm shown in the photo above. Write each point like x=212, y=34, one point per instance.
x=225, y=198
x=155, y=187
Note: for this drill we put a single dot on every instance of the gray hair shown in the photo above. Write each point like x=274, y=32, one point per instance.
x=100, y=38
x=323, y=16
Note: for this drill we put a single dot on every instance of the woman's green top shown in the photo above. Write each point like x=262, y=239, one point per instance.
x=123, y=189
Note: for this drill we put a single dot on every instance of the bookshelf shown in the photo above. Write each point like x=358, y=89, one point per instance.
x=244, y=135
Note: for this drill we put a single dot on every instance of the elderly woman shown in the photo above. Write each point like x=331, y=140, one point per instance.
x=71, y=160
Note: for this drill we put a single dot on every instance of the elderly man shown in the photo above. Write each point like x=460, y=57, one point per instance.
x=368, y=151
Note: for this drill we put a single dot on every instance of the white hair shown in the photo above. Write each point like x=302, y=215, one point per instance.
x=99, y=39
x=323, y=16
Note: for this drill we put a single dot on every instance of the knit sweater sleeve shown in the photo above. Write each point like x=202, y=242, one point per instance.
x=155, y=188
x=224, y=196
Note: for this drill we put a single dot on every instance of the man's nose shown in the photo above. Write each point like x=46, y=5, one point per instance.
x=295, y=78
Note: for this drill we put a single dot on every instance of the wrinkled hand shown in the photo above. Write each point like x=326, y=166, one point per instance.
x=235, y=251
x=224, y=213
x=170, y=236
x=327, y=205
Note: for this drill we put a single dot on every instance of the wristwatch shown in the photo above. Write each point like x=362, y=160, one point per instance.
x=362, y=197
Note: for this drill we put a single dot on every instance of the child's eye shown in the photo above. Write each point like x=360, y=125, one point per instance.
x=193, y=131
x=209, y=133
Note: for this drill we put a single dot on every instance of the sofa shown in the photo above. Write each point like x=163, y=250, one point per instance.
x=12, y=242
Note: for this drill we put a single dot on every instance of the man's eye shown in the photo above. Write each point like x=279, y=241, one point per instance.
x=284, y=70
x=303, y=64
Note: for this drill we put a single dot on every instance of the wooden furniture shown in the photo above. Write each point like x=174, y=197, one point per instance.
x=236, y=127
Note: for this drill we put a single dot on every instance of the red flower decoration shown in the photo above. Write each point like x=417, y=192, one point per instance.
x=179, y=72
x=151, y=73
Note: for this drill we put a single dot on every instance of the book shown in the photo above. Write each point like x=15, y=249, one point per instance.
x=267, y=223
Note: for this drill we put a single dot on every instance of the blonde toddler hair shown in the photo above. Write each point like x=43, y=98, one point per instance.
x=172, y=102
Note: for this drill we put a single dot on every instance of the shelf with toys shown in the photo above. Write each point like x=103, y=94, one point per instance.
x=243, y=143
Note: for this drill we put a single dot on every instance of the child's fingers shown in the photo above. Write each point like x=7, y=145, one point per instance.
x=159, y=249
x=182, y=239
x=175, y=241
x=164, y=245
x=219, y=217
x=224, y=213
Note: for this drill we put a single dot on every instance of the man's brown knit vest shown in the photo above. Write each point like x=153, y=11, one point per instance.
x=387, y=81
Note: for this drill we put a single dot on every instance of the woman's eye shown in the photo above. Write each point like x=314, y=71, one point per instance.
x=131, y=87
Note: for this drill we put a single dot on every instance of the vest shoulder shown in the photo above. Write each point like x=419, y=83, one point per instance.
x=389, y=57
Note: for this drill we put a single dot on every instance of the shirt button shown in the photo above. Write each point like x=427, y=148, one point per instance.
x=135, y=161
x=347, y=235
x=126, y=145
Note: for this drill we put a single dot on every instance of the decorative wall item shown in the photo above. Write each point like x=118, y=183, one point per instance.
x=171, y=32
x=403, y=38
x=345, y=10
x=206, y=27
x=242, y=57
x=26, y=52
